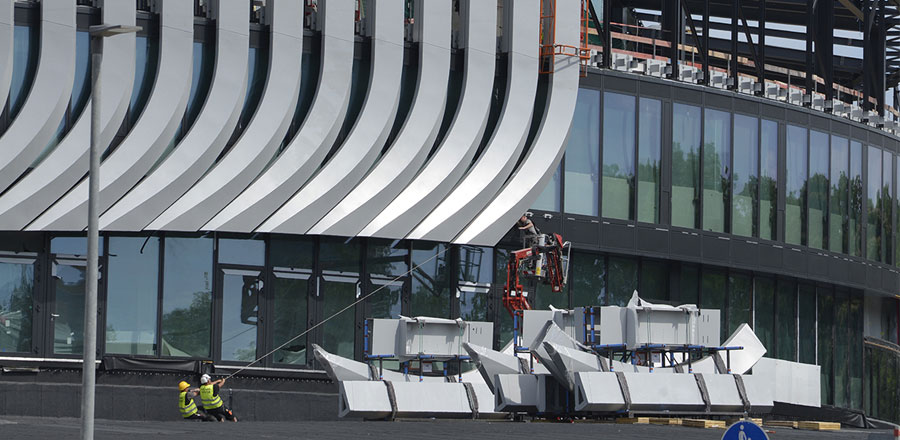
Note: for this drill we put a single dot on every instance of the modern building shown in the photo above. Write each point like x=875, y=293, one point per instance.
x=268, y=163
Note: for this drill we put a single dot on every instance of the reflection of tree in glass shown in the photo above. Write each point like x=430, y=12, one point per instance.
x=15, y=315
x=187, y=329
x=386, y=260
x=290, y=319
x=430, y=286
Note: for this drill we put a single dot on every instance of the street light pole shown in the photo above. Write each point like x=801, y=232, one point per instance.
x=88, y=378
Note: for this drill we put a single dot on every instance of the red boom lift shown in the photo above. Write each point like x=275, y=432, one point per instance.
x=544, y=259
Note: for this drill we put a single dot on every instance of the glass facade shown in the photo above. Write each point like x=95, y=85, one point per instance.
x=839, y=195
x=795, y=194
x=716, y=169
x=187, y=297
x=618, y=155
x=873, y=204
x=685, y=165
x=817, y=190
x=768, y=182
x=649, y=167
x=745, y=183
x=583, y=150
x=132, y=295
x=16, y=302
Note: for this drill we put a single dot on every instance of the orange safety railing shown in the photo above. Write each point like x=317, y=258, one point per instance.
x=550, y=50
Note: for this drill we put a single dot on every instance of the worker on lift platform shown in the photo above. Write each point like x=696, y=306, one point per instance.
x=541, y=259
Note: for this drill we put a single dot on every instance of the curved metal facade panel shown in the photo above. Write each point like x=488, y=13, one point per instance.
x=6, y=47
x=484, y=179
x=370, y=131
x=312, y=142
x=68, y=162
x=455, y=154
x=263, y=135
x=152, y=132
x=206, y=138
x=405, y=156
x=527, y=182
x=51, y=88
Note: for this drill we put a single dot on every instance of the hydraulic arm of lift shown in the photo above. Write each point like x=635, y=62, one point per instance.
x=546, y=260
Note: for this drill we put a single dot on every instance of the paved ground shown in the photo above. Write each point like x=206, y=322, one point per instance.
x=14, y=427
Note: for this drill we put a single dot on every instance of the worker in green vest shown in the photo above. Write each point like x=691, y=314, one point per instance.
x=212, y=403
x=187, y=406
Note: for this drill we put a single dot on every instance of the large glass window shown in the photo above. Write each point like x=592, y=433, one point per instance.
x=241, y=293
x=838, y=211
x=385, y=261
x=430, y=281
x=817, y=189
x=654, y=283
x=716, y=169
x=242, y=251
x=618, y=155
x=826, y=341
x=873, y=205
x=887, y=178
x=649, y=162
x=764, y=313
x=786, y=320
x=549, y=199
x=623, y=280
x=339, y=259
x=146, y=53
x=807, y=323
x=588, y=279
x=685, y=165
x=855, y=347
x=25, y=52
x=855, y=223
x=292, y=268
x=740, y=296
x=842, y=350
x=582, y=156
x=132, y=294
x=712, y=295
x=768, y=184
x=474, y=275
x=689, y=284
x=795, y=197
x=187, y=296
x=745, y=180
x=16, y=290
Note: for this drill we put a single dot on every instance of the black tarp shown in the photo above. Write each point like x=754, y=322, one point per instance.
x=826, y=413
x=112, y=363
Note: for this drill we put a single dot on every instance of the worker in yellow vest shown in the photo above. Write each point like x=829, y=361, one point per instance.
x=212, y=403
x=187, y=406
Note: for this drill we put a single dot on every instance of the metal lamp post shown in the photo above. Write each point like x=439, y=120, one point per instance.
x=97, y=33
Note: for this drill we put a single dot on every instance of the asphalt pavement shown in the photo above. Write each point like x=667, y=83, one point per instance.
x=15, y=427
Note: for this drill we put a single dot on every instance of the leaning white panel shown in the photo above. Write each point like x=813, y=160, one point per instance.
x=152, y=132
x=483, y=180
x=463, y=138
x=528, y=181
x=370, y=131
x=6, y=47
x=398, y=166
x=51, y=88
x=206, y=138
x=263, y=135
x=68, y=162
x=314, y=139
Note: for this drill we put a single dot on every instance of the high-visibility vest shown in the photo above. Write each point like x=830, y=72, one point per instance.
x=209, y=398
x=189, y=409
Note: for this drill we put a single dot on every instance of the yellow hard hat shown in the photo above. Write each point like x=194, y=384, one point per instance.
x=183, y=385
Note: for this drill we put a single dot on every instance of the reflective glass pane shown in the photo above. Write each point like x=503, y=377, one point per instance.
x=338, y=333
x=768, y=184
x=473, y=305
x=430, y=281
x=623, y=280
x=132, y=294
x=241, y=291
x=587, y=276
x=739, y=296
x=825, y=333
x=807, y=316
x=582, y=155
x=854, y=229
x=82, y=85
x=654, y=280
x=505, y=323
x=795, y=199
x=786, y=320
x=685, y=165
x=16, y=290
x=72, y=246
x=475, y=265
x=764, y=313
x=839, y=194
x=386, y=258
x=292, y=253
x=716, y=169
x=68, y=307
x=873, y=205
x=25, y=52
x=385, y=303
x=712, y=295
x=618, y=155
x=649, y=162
x=689, y=284
x=290, y=306
x=549, y=199
x=855, y=348
x=145, y=68
x=339, y=255
x=246, y=252
x=817, y=189
x=187, y=297
x=745, y=181
x=842, y=344
x=887, y=178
